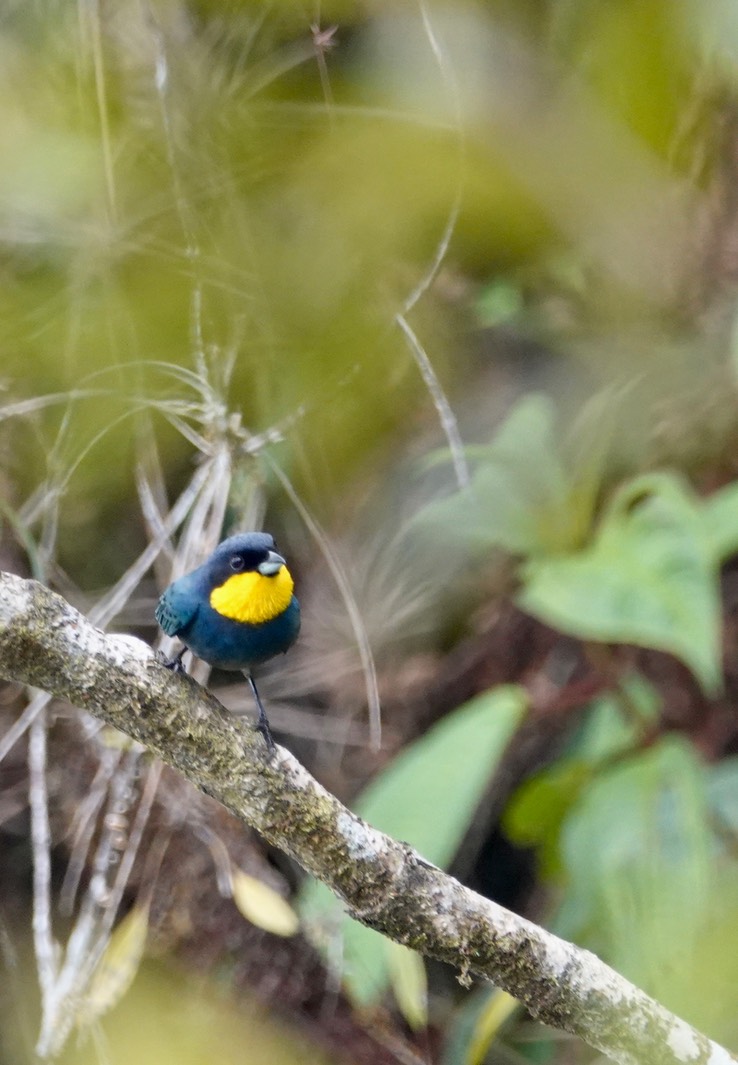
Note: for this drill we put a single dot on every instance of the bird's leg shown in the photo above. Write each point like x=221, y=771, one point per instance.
x=175, y=664
x=262, y=724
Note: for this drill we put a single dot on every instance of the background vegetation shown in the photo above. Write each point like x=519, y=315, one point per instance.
x=444, y=295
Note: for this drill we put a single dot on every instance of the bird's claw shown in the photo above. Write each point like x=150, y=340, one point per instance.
x=175, y=664
x=263, y=728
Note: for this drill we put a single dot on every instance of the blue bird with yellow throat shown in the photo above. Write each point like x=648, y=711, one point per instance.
x=235, y=611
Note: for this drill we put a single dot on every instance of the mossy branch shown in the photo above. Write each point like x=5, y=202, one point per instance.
x=46, y=643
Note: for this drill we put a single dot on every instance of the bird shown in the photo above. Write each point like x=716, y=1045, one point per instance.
x=235, y=611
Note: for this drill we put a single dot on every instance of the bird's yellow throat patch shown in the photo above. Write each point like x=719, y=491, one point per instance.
x=253, y=598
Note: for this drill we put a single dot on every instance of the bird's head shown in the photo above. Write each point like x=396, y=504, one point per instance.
x=249, y=581
x=244, y=553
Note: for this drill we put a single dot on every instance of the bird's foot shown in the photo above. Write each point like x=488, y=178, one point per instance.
x=175, y=664
x=262, y=726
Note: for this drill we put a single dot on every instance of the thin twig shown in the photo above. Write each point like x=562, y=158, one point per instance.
x=352, y=608
x=440, y=400
x=83, y=827
x=102, y=105
x=58, y=1012
x=23, y=723
x=143, y=812
x=43, y=939
x=427, y=372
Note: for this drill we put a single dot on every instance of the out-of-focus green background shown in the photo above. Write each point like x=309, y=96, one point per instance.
x=445, y=295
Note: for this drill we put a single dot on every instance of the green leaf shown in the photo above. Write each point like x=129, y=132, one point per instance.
x=499, y=1009
x=721, y=520
x=520, y=497
x=649, y=578
x=427, y=797
x=722, y=792
x=541, y=805
x=616, y=721
x=499, y=302
x=409, y=983
x=536, y=812
x=637, y=852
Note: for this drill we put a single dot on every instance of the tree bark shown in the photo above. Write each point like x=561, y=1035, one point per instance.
x=46, y=643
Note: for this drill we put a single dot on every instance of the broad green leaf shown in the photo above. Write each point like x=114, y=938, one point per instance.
x=722, y=794
x=637, y=853
x=427, y=797
x=539, y=808
x=585, y=448
x=618, y=719
x=721, y=521
x=520, y=498
x=536, y=812
x=649, y=578
x=409, y=983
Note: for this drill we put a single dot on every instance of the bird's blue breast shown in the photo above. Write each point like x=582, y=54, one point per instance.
x=229, y=644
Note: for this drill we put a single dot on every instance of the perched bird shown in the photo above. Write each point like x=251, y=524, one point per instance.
x=235, y=611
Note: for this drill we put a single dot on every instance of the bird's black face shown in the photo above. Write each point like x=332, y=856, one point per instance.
x=244, y=561
x=245, y=553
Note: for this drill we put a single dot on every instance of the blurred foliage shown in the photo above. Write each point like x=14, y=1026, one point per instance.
x=650, y=577
x=522, y=497
x=646, y=870
x=497, y=1009
x=118, y=966
x=614, y=726
x=182, y=183
x=168, y=1016
x=641, y=850
x=172, y=1020
x=409, y=983
x=261, y=905
x=426, y=797
x=213, y=218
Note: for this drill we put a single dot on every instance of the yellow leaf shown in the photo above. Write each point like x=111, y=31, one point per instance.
x=409, y=983
x=261, y=905
x=499, y=1008
x=118, y=966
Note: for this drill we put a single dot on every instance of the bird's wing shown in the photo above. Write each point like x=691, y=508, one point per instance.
x=175, y=610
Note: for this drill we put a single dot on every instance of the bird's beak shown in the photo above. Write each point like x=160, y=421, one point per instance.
x=272, y=564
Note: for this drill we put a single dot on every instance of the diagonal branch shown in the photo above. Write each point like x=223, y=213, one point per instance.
x=44, y=642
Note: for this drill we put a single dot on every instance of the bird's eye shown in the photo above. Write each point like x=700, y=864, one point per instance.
x=236, y=563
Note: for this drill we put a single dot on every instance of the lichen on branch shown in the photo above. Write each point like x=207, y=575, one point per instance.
x=46, y=643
